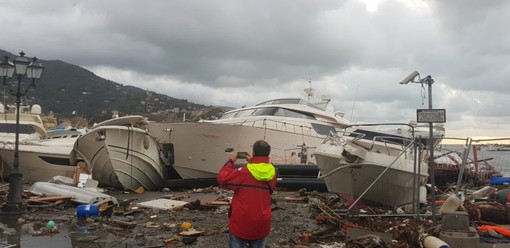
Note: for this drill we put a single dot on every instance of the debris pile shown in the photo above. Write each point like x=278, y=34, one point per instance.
x=300, y=219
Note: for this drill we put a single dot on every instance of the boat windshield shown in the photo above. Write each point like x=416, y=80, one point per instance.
x=270, y=111
x=11, y=128
x=289, y=101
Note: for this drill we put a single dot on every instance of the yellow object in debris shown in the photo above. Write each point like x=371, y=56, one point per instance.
x=140, y=190
x=103, y=206
x=185, y=225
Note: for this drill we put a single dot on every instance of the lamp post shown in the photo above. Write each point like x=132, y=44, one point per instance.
x=32, y=69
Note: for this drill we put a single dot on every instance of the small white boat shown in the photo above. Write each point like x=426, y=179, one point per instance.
x=380, y=172
x=120, y=153
x=497, y=148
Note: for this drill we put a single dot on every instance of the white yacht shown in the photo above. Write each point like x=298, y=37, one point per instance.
x=120, y=153
x=30, y=123
x=384, y=169
x=292, y=126
x=39, y=158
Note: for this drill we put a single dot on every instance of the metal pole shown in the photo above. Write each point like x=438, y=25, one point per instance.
x=463, y=164
x=420, y=156
x=429, y=81
x=14, y=203
x=415, y=175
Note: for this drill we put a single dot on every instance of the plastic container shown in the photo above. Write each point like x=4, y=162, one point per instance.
x=433, y=242
x=484, y=192
x=87, y=210
x=451, y=204
x=423, y=194
x=51, y=224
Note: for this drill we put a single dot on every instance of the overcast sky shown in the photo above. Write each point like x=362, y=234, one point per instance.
x=236, y=52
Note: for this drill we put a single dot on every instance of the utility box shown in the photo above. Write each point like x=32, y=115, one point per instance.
x=455, y=221
x=459, y=239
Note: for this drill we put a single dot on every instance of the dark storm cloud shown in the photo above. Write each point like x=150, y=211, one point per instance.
x=243, y=52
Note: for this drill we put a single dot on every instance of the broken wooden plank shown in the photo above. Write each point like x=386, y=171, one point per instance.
x=190, y=232
x=51, y=198
x=124, y=223
x=218, y=203
x=296, y=199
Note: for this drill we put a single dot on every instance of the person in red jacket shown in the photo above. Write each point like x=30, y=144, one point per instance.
x=250, y=209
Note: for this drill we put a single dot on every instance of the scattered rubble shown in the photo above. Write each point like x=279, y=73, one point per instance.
x=300, y=219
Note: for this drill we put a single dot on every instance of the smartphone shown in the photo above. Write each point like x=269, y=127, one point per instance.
x=242, y=155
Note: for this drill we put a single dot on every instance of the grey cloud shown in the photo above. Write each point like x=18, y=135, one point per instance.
x=243, y=52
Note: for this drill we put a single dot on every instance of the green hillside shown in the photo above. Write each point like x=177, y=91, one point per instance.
x=64, y=88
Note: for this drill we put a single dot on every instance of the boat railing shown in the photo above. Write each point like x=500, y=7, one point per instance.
x=280, y=126
x=343, y=137
x=7, y=144
x=391, y=140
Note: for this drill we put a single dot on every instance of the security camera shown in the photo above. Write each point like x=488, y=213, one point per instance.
x=409, y=78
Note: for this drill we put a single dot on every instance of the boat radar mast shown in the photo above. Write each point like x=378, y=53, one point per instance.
x=309, y=91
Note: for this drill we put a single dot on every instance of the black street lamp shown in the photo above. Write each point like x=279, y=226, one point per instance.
x=32, y=69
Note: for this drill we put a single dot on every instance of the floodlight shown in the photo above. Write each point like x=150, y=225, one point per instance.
x=410, y=78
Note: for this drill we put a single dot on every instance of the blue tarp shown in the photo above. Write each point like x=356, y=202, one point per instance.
x=499, y=180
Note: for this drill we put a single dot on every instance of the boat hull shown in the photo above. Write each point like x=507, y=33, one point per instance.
x=201, y=149
x=122, y=157
x=370, y=175
x=38, y=163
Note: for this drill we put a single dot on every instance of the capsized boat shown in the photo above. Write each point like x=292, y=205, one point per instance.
x=120, y=153
x=382, y=172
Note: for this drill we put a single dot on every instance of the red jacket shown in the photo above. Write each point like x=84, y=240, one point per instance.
x=250, y=210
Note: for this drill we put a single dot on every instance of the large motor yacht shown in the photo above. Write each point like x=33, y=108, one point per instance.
x=292, y=126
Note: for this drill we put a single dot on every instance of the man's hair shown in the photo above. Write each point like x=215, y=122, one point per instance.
x=261, y=148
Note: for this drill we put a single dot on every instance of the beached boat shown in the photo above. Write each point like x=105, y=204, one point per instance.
x=381, y=171
x=40, y=159
x=292, y=126
x=40, y=162
x=30, y=123
x=120, y=153
x=45, y=158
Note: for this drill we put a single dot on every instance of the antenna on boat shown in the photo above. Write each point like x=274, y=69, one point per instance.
x=354, y=102
x=309, y=91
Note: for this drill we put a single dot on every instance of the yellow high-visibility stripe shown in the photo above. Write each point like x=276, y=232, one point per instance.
x=262, y=171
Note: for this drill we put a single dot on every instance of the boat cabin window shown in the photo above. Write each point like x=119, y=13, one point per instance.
x=272, y=111
x=227, y=115
x=243, y=113
x=264, y=111
x=293, y=114
x=11, y=128
x=289, y=101
x=323, y=129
